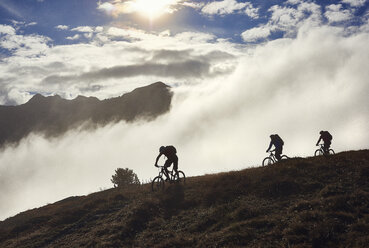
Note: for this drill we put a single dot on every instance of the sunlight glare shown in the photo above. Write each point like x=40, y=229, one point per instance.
x=153, y=8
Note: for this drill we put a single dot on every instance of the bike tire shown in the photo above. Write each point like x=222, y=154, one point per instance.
x=331, y=152
x=157, y=184
x=267, y=161
x=180, y=177
x=318, y=152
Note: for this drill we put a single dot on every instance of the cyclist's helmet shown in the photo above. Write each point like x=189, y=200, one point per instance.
x=321, y=132
x=161, y=149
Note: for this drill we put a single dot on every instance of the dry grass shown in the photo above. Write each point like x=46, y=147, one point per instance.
x=313, y=202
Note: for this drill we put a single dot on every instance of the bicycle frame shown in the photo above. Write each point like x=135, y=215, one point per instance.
x=173, y=176
x=272, y=156
x=322, y=151
x=162, y=172
x=321, y=147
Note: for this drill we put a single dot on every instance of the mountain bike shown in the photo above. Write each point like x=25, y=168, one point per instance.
x=159, y=181
x=271, y=159
x=321, y=151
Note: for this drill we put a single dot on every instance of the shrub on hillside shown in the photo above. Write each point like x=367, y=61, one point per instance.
x=124, y=177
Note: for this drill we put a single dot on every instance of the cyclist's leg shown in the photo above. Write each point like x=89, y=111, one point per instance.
x=327, y=144
x=278, y=152
x=175, y=164
x=167, y=164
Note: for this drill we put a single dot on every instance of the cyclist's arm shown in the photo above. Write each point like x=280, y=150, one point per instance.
x=157, y=159
x=270, y=146
x=320, y=138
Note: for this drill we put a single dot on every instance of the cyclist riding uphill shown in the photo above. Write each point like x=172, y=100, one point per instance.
x=278, y=144
x=327, y=139
x=171, y=153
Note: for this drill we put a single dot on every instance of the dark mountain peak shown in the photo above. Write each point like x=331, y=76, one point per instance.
x=80, y=98
x=55, y=97
x=159, y=84
x=40, y=99
x=36, y=98
x=53, y=115
x=157, y=88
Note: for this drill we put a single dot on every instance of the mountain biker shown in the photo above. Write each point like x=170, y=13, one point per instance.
x=278, y=144
x=327, y=139
x=171, y=153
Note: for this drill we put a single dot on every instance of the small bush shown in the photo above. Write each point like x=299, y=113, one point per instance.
x=124, y=177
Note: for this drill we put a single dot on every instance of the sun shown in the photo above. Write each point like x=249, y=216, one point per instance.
x=152, y=9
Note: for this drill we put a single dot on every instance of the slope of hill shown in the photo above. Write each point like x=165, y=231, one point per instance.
x=53, y=115
x=311, y=202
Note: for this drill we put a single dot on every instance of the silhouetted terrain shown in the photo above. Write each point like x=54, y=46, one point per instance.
x=53, y=115
x=312, y=202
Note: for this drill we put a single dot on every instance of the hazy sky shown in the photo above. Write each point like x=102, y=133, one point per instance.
x=240, y=71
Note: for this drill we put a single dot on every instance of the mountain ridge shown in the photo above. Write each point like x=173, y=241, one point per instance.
x=53, y=115
x=300, y=202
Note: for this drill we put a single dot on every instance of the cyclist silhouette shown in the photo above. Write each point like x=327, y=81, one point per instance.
x=171, y=153
x=278, y=144
x=327, y=139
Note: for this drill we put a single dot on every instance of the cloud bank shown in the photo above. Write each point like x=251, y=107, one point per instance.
x=120, y=59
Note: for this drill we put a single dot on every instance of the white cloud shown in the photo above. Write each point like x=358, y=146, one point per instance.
x=108, y=7
x=22, y=24
x=74, y=37
x=31, y=24
x=99, y=29
x=226, y=7
x=354, y=3
x=251, y=11
x=87, y=31
x=335, y=13
x=83, y=29
x=287, y=19
x=6, y=29
x=23, y=45
x=193, y=5
x=62, y=27
x=255, y=34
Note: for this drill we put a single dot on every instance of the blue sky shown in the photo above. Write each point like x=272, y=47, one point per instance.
x=239, y=70
x=48, y=14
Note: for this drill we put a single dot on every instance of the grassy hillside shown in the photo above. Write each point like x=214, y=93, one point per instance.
x=312, y=202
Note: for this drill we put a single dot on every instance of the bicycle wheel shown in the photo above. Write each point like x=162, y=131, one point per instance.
x=284, y=157
x=331, y=152
x=268, y=161
x=180, y=177
x=318, y=152
x=157, y=184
